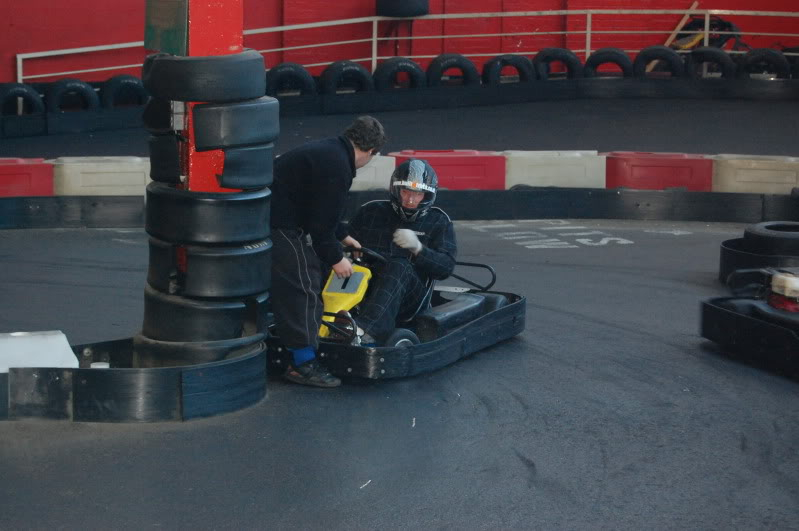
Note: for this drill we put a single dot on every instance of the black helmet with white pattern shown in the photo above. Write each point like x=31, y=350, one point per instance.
x=416, y=175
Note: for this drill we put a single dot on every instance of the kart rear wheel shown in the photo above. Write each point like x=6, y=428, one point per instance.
x=402, y=337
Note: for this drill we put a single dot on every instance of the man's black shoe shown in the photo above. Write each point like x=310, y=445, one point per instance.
x=311, y=373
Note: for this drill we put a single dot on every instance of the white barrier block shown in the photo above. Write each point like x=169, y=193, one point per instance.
x=375, y=175
x=755, y=174
x=564, y=169
x=36, y=349
x=100, y=175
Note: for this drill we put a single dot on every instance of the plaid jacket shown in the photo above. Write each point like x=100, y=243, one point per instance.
x=373, y=225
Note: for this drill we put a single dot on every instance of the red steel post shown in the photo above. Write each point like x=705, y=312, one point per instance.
x=215, y=27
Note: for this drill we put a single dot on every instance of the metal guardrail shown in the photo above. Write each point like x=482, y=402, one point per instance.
x=375, y=39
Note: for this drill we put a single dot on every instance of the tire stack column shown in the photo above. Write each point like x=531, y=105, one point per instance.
x=207, y=214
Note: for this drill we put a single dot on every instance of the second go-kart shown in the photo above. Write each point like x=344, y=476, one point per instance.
x=450, y=323
x=761, y=322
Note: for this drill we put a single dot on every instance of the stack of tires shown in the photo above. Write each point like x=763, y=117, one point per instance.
x=208, y=282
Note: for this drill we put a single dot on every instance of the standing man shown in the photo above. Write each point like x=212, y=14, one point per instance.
x=308, y=198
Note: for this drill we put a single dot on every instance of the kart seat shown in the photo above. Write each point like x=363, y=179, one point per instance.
x=438, y=321
x=423, y=305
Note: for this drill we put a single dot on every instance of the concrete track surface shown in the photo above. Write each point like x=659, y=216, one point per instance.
x=608, y=412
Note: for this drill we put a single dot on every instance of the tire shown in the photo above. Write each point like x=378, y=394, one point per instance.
x=218, y=79
x=62, y=91
x=401, y=337
x=671, y=58
x=218, y=217
x=157, y=116
x=231, y=125
x=289, y=76
x=402, y=8
x=345, y=74
x=123, y=90
x=608, y=55
x=546, y=56
x=151, y=353
x=248, y=168
x=756, y=59
x=773, y=238
x=164, y=158
x=385, y=75
x=492, y=70
x=708, y=54
x=32, y=102
x=446, y=61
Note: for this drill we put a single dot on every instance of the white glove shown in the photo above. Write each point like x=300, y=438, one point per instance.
x=407, y=239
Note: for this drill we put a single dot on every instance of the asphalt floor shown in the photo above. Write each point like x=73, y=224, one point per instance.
x=608, y=412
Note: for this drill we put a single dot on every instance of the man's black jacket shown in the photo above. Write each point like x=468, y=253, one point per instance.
x=310, y=191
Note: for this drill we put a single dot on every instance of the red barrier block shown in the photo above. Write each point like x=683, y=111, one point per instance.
x=25, y=177
x=462, y=169
x=657, y=171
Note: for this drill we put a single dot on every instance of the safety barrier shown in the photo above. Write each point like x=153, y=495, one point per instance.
x=755, y=174
x=100, y=175
x=566, y=169
x=375, y=175
x=25, y=177
x=658, y=171
x=462, y=169
x=457, y=170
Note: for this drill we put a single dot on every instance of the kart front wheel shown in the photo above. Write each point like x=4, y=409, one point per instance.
x=402, y=337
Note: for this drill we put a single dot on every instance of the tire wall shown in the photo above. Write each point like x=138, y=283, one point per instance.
x=28, y=31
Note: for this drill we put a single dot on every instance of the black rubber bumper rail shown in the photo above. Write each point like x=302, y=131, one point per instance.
x=124, y=394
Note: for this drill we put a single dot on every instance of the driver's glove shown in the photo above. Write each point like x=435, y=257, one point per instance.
x=407, y=239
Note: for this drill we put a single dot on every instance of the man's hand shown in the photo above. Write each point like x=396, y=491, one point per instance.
x=343, y=269
x=407, y=239
x=349, y=241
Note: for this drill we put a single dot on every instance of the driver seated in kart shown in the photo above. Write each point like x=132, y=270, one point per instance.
x=418, y=242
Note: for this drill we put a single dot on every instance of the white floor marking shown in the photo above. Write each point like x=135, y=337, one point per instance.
x=589, y=233
x=551, y=244
x=675, y=232
x=604, y=241
x=542, y=240
x=482, y=228
x=520, y=235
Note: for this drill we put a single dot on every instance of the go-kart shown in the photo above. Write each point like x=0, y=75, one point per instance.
x=450, y=323
x=760, y=323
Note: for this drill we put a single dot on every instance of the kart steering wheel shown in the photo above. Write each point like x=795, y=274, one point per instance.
x=368, y=252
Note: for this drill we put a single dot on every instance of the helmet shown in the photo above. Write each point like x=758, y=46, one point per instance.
x=416, y=175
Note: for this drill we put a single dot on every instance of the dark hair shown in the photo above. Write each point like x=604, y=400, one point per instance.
x=366, y=133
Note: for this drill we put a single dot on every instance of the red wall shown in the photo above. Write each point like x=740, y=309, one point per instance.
x=667, y=23
x=39, y=25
